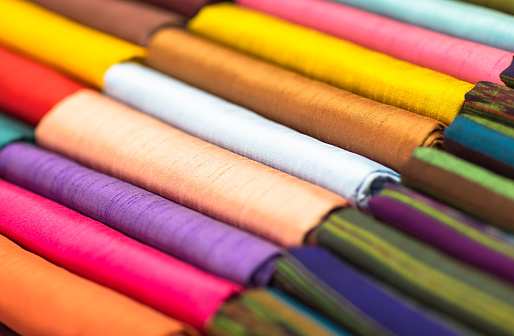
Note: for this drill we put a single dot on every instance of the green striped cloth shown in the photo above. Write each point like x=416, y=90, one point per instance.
x=267, y=312
x=419, y=270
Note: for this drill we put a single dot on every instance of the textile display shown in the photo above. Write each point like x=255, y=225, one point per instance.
x=93, y=250
x=66, y=304
x=79, y=51
x=382, y=133
x=336, y=289
x=360, y=71
x=455, y=233
x=114, y=139
x=463, y=185
x=470, y=296
x=465, y=60
x=132, y=21
x=450, y=17
x=246, y=133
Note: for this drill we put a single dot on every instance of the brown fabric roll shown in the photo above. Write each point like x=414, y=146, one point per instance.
x=383, y=133
x=459, y=192
x=187, y=7
x=129, y=20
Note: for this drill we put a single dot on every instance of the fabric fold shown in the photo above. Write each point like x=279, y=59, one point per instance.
x=367, y=73
x=133, y=21
x=40, y=298
x=114, y=139
x=96, y=252
x=151, y=219
x=377, y=131
x=465, y=294
x=465, y=60
x=463, y=185
x=79, y=51
x=246, y=133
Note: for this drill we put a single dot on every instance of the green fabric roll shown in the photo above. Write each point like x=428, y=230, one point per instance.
x=12, y=130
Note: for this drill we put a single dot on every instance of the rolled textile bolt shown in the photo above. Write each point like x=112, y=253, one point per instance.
x=12, y=130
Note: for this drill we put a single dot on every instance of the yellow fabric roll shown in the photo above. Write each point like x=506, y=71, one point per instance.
x=76, y=49
x=334, y=61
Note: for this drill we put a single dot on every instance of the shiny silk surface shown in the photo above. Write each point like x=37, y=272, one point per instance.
x=97, y=252
x=380, y=132
x=367, y=73
x=80, y=51
x=122, y=142
x=246, y=133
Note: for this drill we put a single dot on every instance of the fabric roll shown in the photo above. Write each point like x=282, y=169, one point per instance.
x=13, y=130
x=463, y=185
x=490, y=101
x=472, y=297
x=449, y=230
x=269, y=312
x=507, y=76
x=501, y=5
x=96, y=252
x=29, y=90
x=39, y=298
x=4, y=331
x=188, y=8
x=246, y=133
x=151, y=219
x=80, y=51
x=484, y=142
x=112, y=138
x=454, y=18
x=367, y=73
x=349, y=297
x=129, y=20
x=380, y=132
x=467, y=61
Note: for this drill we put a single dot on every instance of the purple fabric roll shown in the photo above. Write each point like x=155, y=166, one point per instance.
x=428, y=228
x=200, y=240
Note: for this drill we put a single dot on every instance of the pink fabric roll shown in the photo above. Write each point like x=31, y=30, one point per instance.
x=468, y=61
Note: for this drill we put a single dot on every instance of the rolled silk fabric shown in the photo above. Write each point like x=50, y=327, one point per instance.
x=268, y=312
x=188, y=8
x=483, y=142
x=449, y=230
x=501, y=5
x=463, y=185
x=112, y=138
x=316, y=55
x=334, y=288
x=490, y=101
x=151, y=219
x=29, y=90
x=80, y=51
x=13, y=130
x=467, y=61
x=467, y=295
x=129, y=20
x=454, y=18
x=39, y=298
x=94, y=251
x=380, y=132
x=246, y=133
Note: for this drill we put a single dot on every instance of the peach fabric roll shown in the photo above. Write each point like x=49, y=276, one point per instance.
x=117, y=140
x=41, y=299
x=380, y=132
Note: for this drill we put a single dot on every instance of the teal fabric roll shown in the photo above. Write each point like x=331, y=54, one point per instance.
x=12, y=130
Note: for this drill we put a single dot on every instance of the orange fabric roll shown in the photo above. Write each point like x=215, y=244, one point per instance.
x=40, y=299
x=380, y=132
x=117, y=140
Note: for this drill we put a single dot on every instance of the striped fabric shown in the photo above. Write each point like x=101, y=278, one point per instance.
x=265, y=312
x=421, y=271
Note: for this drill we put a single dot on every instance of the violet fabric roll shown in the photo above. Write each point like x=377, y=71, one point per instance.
x=200, y=240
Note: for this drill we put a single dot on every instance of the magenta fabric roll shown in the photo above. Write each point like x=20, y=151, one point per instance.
x=200, y=240
x=465, y=60
x=101, y=254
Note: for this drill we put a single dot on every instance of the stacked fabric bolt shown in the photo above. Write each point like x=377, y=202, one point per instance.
x=199, y=182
